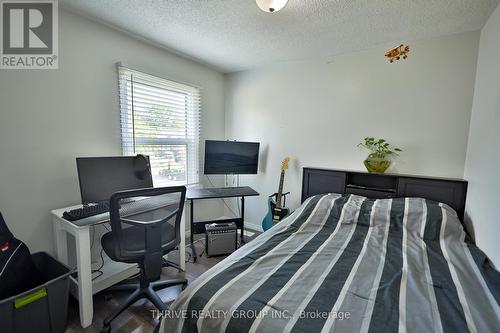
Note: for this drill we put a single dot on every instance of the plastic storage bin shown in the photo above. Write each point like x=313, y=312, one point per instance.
x=42, y=309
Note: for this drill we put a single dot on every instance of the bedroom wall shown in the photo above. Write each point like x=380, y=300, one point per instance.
x=48, y=117
x=317, y=112
x=483, y=161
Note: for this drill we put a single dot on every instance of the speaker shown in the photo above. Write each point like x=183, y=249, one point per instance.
x=220, y=238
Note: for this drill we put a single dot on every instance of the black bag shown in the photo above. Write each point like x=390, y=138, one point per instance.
x=17, y=270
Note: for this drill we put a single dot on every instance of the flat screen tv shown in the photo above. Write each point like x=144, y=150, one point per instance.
x=231, y=157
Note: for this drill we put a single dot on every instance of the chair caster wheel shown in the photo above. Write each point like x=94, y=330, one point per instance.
x=106, y=329
x=184, y=286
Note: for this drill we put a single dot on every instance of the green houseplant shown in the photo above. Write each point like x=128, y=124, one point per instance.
x=381, y=154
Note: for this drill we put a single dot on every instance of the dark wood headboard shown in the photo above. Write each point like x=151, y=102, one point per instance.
x=452, y=192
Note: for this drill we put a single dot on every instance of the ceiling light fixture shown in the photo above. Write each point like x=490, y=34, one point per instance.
x=271, y=6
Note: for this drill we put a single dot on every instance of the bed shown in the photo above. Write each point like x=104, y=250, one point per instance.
x=347, y=263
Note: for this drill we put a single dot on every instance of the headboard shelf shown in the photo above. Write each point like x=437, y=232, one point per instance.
x=371, y=181
x=388, y=174
x=451, y=191
x=353, y=186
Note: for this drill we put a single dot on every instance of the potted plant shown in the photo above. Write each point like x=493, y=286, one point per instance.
x=381, y=154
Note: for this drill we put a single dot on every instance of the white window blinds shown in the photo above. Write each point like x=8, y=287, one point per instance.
x=161, y=119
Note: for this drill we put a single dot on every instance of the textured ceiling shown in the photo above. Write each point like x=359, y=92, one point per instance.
x=234, y=35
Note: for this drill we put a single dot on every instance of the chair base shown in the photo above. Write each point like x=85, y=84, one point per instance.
x=140, y=292
x=167, y=263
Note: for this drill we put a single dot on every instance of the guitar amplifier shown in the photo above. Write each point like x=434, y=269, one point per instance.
x=220, y=238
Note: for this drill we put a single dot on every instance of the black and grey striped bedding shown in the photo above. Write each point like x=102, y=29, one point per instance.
x=348, y=264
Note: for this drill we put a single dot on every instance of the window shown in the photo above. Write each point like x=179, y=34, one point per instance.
x=160, y=118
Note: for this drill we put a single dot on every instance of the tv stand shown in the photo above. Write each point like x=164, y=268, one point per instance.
x=198, y=227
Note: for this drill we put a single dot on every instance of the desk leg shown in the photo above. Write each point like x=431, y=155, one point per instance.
x=61, y=240
x=182, y=245
x=242, y=219
x=191, y=230
x=83, y=258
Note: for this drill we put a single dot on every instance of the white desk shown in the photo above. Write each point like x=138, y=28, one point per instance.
x=113, y=272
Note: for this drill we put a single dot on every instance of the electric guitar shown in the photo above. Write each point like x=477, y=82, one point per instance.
x=277, y=211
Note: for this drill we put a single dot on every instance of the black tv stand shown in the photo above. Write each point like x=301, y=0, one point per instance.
x=198, y=227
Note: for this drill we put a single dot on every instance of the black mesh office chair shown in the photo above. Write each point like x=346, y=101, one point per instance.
x=145, y=225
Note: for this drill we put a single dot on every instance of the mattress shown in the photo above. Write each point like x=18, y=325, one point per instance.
x=348, y=264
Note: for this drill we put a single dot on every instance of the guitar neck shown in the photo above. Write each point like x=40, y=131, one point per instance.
x=280, y=190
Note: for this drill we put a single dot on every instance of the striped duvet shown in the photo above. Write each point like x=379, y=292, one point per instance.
x=348, y=264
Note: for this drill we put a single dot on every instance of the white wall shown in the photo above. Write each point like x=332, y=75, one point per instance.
x=48, y=117
x=317, y=113
x=483, y=158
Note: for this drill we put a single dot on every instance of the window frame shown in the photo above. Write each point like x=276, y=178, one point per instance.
x=192, y=111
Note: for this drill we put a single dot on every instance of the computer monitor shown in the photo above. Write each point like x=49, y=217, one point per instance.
x=231, y=157
x=100, y=177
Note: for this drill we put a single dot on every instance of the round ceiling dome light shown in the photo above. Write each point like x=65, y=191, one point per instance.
x=271, y=6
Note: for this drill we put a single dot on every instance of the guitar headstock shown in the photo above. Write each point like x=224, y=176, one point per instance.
x=284, y=164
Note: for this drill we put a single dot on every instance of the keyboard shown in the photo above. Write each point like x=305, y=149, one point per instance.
x=86, y=211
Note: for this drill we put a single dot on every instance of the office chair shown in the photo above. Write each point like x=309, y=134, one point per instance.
x=145, y=225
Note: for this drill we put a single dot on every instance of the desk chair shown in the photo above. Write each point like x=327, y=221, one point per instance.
x=145, y=225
